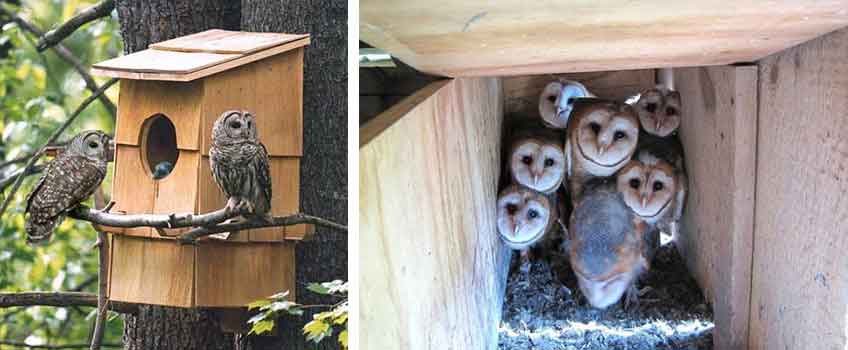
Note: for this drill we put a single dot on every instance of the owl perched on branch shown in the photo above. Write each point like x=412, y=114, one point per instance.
x=68, y=180
x=240, y=163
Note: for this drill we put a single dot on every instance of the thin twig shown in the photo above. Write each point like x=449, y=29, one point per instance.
x=52, y=139
x=54, y=36
x=60, y=299
x=5, y=182
x=64, y=53
x=299, y=218
x=64, y=346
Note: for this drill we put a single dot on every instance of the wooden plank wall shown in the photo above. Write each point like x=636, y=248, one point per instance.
x=514, y=37
x=436, y=270
x=719, y=137
x=800, y=290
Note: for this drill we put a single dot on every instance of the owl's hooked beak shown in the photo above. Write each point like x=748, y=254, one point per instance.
x=644, y=200
x=515, y=230
x=658, y=124
x=601, y=149
x=535, y=179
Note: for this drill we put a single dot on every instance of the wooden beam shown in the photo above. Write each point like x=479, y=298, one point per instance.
x=718, y=132
x=513, y=37
x=436, y=270
x=799, y=298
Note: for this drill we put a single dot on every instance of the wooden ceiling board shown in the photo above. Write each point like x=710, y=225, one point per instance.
x=512, y=37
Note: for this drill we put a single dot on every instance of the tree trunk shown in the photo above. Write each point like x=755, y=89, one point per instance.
x=323, y=169
x=144, y=22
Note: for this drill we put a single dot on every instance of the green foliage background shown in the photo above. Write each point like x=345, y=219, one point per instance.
x=37, y=92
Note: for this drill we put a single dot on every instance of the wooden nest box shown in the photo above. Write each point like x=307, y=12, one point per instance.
x=170, y=96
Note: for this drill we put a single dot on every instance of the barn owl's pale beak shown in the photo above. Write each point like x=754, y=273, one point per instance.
x=515, y=231
x=602, y=149
x=659, y=124
x=535, y=179
x=644, y=201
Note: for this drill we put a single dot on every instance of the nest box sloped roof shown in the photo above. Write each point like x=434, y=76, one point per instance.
x=199, y=55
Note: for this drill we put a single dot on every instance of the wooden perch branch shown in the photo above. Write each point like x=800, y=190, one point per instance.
x=60, y=299
x=53, y=138
x=50, y=347
x=205, y=224
x=64, y=53
x=53, y=37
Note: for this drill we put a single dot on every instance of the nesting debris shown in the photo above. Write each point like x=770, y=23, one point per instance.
x=540, y=312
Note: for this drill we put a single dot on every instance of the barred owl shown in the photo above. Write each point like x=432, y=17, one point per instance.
x=68, y=180
x=240, y=163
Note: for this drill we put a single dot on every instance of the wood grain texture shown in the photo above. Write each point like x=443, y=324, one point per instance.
x=226, y=42
x=521, y=93
x=195, y=65
x=133, y=189
x=178, y=192
x=236, y=274
x=384, y=120
x=272, y=90
x=428, y=248
x=151, y=271
x=800, y=293
x=718, y=132
x=512, y=37
x=141, y=100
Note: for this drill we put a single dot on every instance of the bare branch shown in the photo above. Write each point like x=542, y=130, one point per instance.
x=151, y=220
x=5, y=182
x=64, y=346
x=60, y=299
x=299, y=218
x=102, y=301
x=52, y=140
x=64, y=53
x=54, y=36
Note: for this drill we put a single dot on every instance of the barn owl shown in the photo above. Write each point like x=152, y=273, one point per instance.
x=609, y=247
x=659, y=111
x=601, y=138
x=67, y=180
x=654, y=183
x=557, y=101
x=240, y=163
x=537, y=163
x=525, y=218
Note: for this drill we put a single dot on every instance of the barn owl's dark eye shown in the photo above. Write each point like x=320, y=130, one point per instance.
x=532, y=214
x=527, y=160
x=92, y=144
x=634, y=184
x=619, y=135
x=596, y=128
x=571, y=100
x=235, y=125
x=552, y=98
x=670, y=111
x=651, y=107
x=511, y=209
x=658, y=186
x=549, y=162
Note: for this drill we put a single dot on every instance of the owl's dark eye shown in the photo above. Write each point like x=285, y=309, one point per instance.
x=549, y=162
x=670, y=111
x=596, y=128
x=634, y=184
x=619, y=135
x=235, y=125
x=511, y=208
x=532, y=214
x=651, y=107
x=552, y=98
x=571, y=100
x=93, y=144
x=658, y=186
x=527, y=160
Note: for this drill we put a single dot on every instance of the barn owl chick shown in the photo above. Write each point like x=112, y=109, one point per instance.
x=68, y=180
x=607, y=248
x=524, y=216
x=537, y=163
x=240, y=163
x=557, y=101
x=659, y=111
x=654, y=183
x=601, y=138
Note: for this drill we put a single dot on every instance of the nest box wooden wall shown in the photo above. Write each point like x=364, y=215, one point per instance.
x=170, y=96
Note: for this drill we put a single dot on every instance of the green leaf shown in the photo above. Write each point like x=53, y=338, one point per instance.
x=343, y=339
x=262, y=327
x=317, y=330
x=258, y=304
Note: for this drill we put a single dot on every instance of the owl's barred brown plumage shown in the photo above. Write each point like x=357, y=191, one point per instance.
x=239, y=162
x=68, y=180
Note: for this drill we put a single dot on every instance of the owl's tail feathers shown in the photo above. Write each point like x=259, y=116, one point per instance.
x=39, y=233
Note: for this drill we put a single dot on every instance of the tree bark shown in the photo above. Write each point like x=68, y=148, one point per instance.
x=323, y=168
x=144, y=22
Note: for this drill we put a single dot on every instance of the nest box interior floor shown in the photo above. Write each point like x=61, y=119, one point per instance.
x=543, y=310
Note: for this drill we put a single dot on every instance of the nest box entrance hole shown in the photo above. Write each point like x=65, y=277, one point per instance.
x=159, y=146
